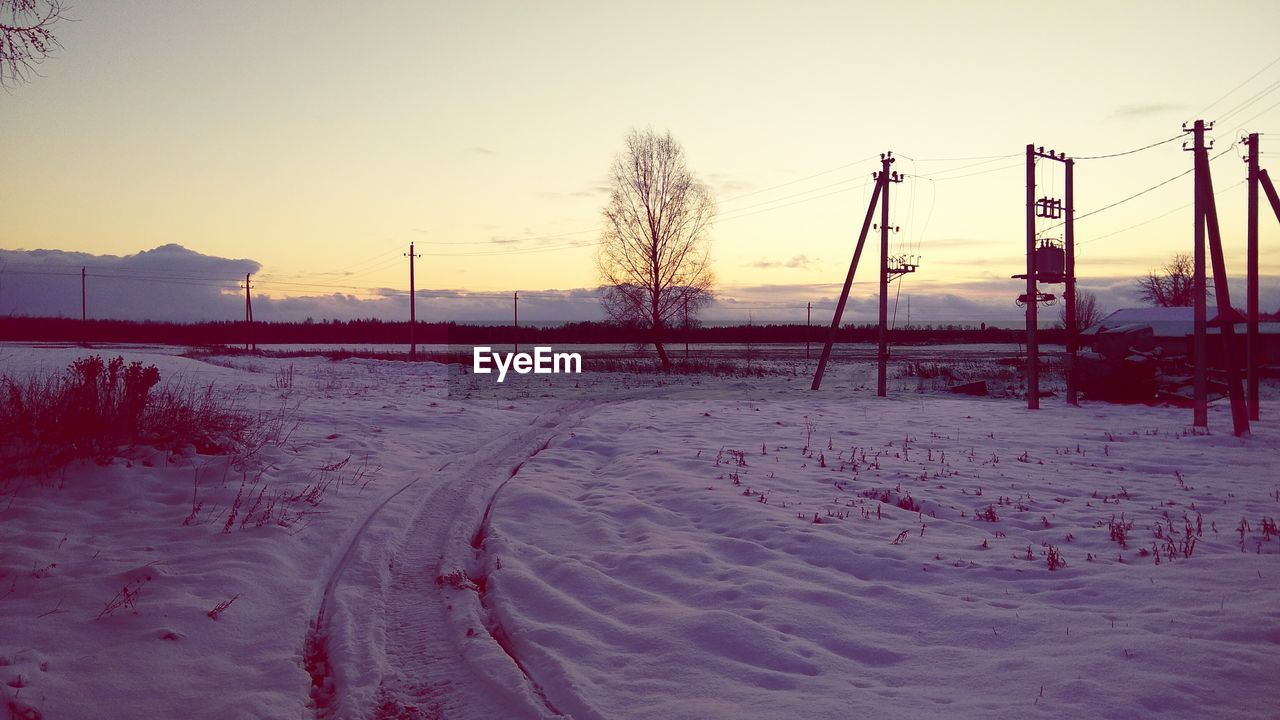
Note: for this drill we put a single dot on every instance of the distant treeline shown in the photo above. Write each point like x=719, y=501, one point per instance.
x=378, y=332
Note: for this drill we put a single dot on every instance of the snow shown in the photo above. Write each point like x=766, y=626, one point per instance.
x=643, y=575
x=589, y=547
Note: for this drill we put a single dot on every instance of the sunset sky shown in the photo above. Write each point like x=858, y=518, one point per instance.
x=319, y=139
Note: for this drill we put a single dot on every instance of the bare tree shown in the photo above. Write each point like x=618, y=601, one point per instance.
x=653, y=256
x=1088, y=313
x=1172, y=285
x=26, y=36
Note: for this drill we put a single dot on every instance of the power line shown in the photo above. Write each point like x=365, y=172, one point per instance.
x=512, y=240
x=802, y=192
x=800, y=180
x=1232, y=90
x=1140, y=193
x=960, y=159
x=1244, y=104
x=1127, y=152
x=972, y=174
x=1255, y=117
x=946, y=171
x=1157, y=217
x=779, y=207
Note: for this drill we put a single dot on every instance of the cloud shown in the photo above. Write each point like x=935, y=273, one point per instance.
x=592, y=192
x=173, y=283
x=1143, y=110
x=167, y=283
x=729, y=186
x=796, y=261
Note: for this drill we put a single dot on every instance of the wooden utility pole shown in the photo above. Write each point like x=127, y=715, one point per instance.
x=1200, y=412
x=686, y=327
x=1033, y=347
x=515, y=322
x=1222, y=293
x=882, y=180
x=1058, y=268
x=1069, y=241
x=1272, y=197
x=1207, y=222
x=84, y=300
x=888, y=268
x=1252, y=345
x=882, y=356
x=248, y=314
x=413, y=307
x=808, y=320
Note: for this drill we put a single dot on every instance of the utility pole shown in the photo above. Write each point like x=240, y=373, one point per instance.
x=686, y=327
x=882, y=356
x=1252, y=345
x=1208, y=221
x=1033, y=348
x=808, y=320
x=1272, y=197
x=248, y=314
x=413, y=307
x=882, y=184
x=515, y=321
x=1200, y=413
x=1047, y=263
x=84, y=301
x=1070, y=291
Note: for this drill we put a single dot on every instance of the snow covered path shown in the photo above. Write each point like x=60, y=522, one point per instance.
x=426, y=644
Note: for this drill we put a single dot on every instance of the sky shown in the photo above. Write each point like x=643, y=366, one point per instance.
x=311, y=143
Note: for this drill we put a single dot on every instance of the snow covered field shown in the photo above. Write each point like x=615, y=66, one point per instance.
x=622, y=546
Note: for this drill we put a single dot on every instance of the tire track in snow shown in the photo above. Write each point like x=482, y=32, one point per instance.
x=446, y=658
x=496, y=631
x=431, y=652
x=315, y=652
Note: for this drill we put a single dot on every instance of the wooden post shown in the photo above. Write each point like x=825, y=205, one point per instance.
x=248, y=314
x=413, y=308
x=1070, y=246
x=1226, y=321
x=808, y=320
x=515, y=322
x=1033, y=348
x=1252, y=342
x=881, y=181
x=882, y=356
x=1200, y=413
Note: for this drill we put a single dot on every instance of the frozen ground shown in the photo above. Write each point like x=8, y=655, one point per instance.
x=619, y=546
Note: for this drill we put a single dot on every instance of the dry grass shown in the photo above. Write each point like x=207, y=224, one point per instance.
x=95, y=407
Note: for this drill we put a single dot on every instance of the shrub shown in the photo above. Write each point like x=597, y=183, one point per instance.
x=94, y=407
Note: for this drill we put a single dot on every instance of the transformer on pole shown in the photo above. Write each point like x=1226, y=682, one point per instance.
x=1048, y=261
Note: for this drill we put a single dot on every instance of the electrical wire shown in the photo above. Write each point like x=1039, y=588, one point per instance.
x=1140, y=193
x=855, y=163
x=1255, y=117
x=972, y=174
x=1237, y=87
x=1161, y=216
x=1244, y=104
x=1128, y=152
